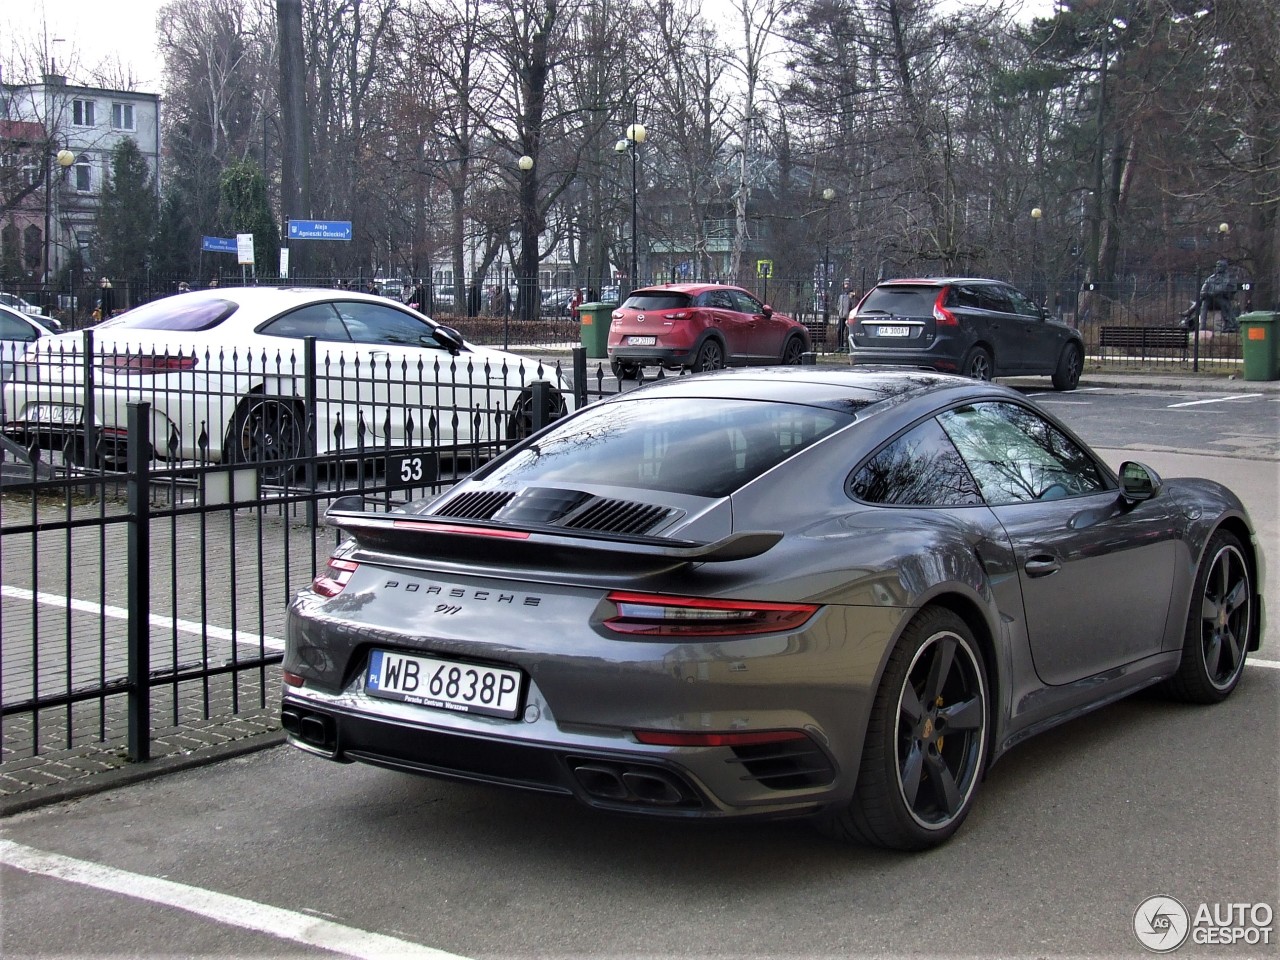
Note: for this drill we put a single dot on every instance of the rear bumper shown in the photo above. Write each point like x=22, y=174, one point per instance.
x=941, y=356
x=653, y=356
x=607, y=773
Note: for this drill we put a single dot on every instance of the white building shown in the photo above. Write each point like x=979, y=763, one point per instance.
x=59, y=137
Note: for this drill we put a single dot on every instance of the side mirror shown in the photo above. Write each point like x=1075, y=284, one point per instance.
x=767, y=310
x=1138, y=482
x=449, y=338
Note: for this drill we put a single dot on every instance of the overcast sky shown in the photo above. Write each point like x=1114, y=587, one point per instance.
x=91, y=31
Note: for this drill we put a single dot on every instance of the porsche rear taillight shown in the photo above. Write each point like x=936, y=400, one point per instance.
x=335, y=577
x=147, y=364
x=658, y=615
x=941, y=315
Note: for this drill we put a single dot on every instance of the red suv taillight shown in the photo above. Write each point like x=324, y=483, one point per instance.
x=941, y=315
x=335, y=577
x=657, y=615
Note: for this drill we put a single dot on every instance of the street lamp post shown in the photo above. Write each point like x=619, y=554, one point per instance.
x=63, y=159
x=527, y=276
x=635, y=136
x=1036, y=272
x=827, y=195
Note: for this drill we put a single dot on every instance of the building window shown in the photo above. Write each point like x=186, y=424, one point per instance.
x=84, y=177
x=122, y=116
x=82, y=113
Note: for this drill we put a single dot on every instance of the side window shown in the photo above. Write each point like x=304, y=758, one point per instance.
x=13, y=329
x=374, y=323
x=1017, y=456
x=965, y=297
x=1022, y=304
x=993, y=298
x=920, y=468
x=720, y=299
x=316, y=320
x=746, y=303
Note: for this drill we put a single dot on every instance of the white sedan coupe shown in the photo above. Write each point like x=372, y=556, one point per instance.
x=229, y=378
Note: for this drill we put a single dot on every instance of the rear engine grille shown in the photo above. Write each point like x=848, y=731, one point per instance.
x=571, y=509
x=788, y=765
x=476, y=505
x=619, y=516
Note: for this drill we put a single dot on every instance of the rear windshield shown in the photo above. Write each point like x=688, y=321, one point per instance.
x=657, y=301
x=708, y=449
x=174, y=313
x=901, y=301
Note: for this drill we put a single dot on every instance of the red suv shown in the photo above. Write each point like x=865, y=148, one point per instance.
x=701, y=326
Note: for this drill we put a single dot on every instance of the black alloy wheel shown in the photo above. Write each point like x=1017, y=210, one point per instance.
x=1219, y=622
x=1070, y=366
x=793, y=352
x=710, y=357
x=977, y=364
x=268, y=432
x=520, y=421
x=926, y=741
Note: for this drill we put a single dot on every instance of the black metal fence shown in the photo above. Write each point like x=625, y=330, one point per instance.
x=157, y=514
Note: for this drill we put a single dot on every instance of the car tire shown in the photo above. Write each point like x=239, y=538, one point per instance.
x=793, y=352
x=624, y=370
x=925, y=746
x=1070, y=366
x=270, y=433
x=710, y=356
x=1219, y=624
x=977, y=364
x=520, y=420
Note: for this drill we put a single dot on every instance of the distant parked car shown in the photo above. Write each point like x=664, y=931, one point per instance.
x=700, y=326
x=224, y=373
x=15, y=302
x=975, y=327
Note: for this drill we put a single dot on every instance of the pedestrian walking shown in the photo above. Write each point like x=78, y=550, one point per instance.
x=845, y=303
x=106, y=300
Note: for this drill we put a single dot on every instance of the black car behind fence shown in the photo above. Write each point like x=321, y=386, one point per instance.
x=144, y=590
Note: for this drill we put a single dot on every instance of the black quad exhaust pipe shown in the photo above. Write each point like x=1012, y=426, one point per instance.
x=628, y=783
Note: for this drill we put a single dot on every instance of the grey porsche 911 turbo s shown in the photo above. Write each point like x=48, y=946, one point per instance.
x=827, y=593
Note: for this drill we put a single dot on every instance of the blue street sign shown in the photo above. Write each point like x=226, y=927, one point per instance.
x=319, y=229
x=218, y=244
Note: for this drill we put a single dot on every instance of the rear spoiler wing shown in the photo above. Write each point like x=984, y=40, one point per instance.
x=450, y=539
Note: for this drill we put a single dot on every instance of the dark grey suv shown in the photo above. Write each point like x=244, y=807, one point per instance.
x=980, y=328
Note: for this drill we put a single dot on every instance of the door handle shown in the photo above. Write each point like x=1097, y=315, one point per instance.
x=1041, y=566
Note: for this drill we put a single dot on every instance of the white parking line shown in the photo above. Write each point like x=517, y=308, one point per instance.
x=160, y=622
x=1269, y=664
x=233, y=911
x=1196, y=403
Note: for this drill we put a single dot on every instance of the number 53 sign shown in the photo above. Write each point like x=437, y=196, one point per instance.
x=412, y=470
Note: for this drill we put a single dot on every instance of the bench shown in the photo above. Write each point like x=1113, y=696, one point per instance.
x=1146, y=339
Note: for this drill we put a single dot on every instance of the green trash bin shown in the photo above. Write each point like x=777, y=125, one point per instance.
x=595, y=319
x=1258, y=340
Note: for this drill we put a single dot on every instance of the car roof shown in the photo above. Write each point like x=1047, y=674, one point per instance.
x=690, y=288
x=835, y=387
x=935, y=281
